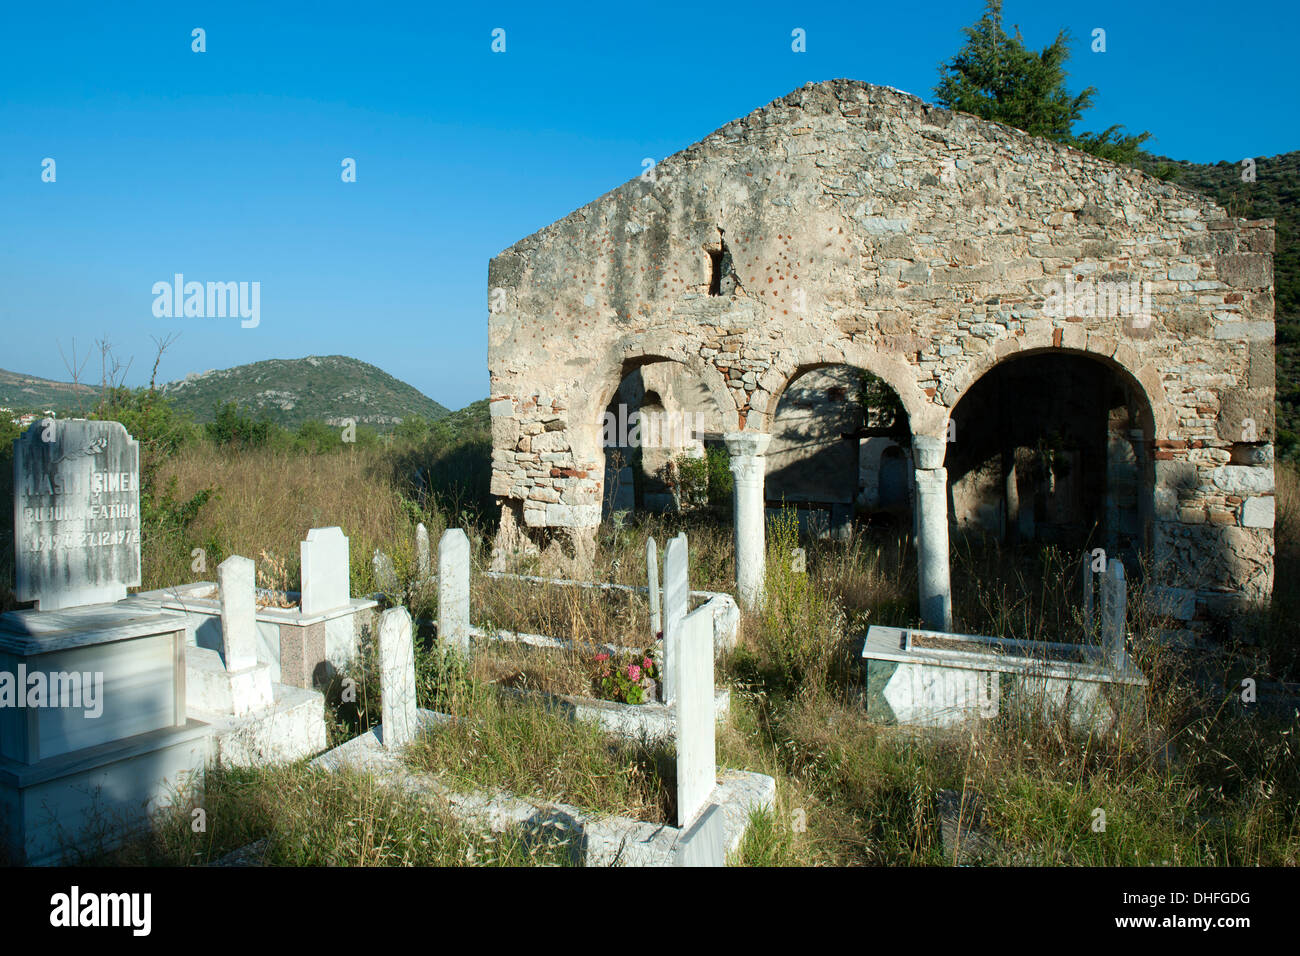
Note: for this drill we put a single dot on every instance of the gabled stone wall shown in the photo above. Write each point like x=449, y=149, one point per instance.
x=863, y=227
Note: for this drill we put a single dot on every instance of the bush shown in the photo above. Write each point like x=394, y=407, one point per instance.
x=232, y=427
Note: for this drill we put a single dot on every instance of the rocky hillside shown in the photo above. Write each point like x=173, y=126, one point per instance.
x=328, y=388
x=27, y=393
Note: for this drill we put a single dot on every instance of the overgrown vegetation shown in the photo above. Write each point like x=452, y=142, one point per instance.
x=519, y=746
x=996, y=77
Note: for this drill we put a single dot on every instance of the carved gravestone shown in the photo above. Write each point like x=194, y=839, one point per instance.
x=325, y=571
x=422, y=564
x=76, y=513
x=237, y=578
x=385, y=574
x=1114, y=601
x=697, y=767
x=249, y=681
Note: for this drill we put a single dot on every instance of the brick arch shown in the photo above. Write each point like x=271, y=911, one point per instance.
x=922, y=413
x=1144, y=377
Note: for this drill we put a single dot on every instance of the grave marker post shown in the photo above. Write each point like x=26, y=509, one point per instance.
x=453, y=589
x=397, y=677
x=677, y=591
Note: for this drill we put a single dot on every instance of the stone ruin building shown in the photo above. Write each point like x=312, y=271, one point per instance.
x=1081, y=353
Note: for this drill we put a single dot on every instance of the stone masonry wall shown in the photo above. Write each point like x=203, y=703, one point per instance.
x=864, y=227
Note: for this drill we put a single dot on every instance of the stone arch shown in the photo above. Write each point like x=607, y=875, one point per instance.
x=1149, y=418
x=1143, y=377
x=923, y=415
x=601, y=386
x=604, y=379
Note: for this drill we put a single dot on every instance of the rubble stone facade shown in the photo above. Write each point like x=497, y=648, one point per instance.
x=854, y=224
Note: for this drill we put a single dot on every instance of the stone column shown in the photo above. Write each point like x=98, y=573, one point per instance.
x=932, y=532
x=748, y=466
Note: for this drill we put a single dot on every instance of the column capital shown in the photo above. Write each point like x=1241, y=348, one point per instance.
x=932, y=479
x=928, y=451
x=746, y=444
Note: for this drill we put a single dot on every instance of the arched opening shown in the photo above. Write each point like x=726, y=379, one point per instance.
x=840, y=451
x=1054, y=447
x=660, y=414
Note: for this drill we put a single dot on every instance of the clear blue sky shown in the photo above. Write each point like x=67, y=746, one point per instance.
x=225, y=165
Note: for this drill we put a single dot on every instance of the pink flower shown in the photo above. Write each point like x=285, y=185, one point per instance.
x=648, y=663
x=633, y=672
x=602, y=656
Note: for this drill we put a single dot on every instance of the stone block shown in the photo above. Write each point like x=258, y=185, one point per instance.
x=1258, y=512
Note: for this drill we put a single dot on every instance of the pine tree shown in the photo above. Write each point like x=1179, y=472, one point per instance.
x=996, y=77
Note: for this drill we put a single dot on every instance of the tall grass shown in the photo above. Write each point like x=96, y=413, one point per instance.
x=1198, y=778
x=521, y=747
x=268, y=499
x=298, y=816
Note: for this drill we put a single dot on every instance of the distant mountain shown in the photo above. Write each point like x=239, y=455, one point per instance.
x=328, y=388
x=27, y=393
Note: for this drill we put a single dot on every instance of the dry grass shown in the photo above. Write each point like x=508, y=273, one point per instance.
x=521, y=747
x=1199, y=780
x=267, y=501
x=545, y=670
x=306, y=817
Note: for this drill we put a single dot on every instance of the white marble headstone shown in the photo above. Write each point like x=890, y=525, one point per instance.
x=652, y=581
x=397, y=677
x=237, y=579
x=697, y=768
x=76, y=513
x=325, y=571
x=453, y=589
x=677, y=598
x=422, y=561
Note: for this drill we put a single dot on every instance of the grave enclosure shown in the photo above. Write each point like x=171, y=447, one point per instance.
x=713, y=806
x=850, y=226
x=654, y=718
x=112, y=710
x=70, y=764
x=112, y=706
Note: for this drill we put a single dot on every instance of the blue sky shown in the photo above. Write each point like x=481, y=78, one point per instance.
x=225, y=165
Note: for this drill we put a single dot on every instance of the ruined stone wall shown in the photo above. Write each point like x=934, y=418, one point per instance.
x=867, y=228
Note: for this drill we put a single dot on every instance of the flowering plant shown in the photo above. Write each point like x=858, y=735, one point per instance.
x=630, y=681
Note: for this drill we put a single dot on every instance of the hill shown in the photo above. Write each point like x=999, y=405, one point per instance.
x=27, y=393
x=329, y=388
